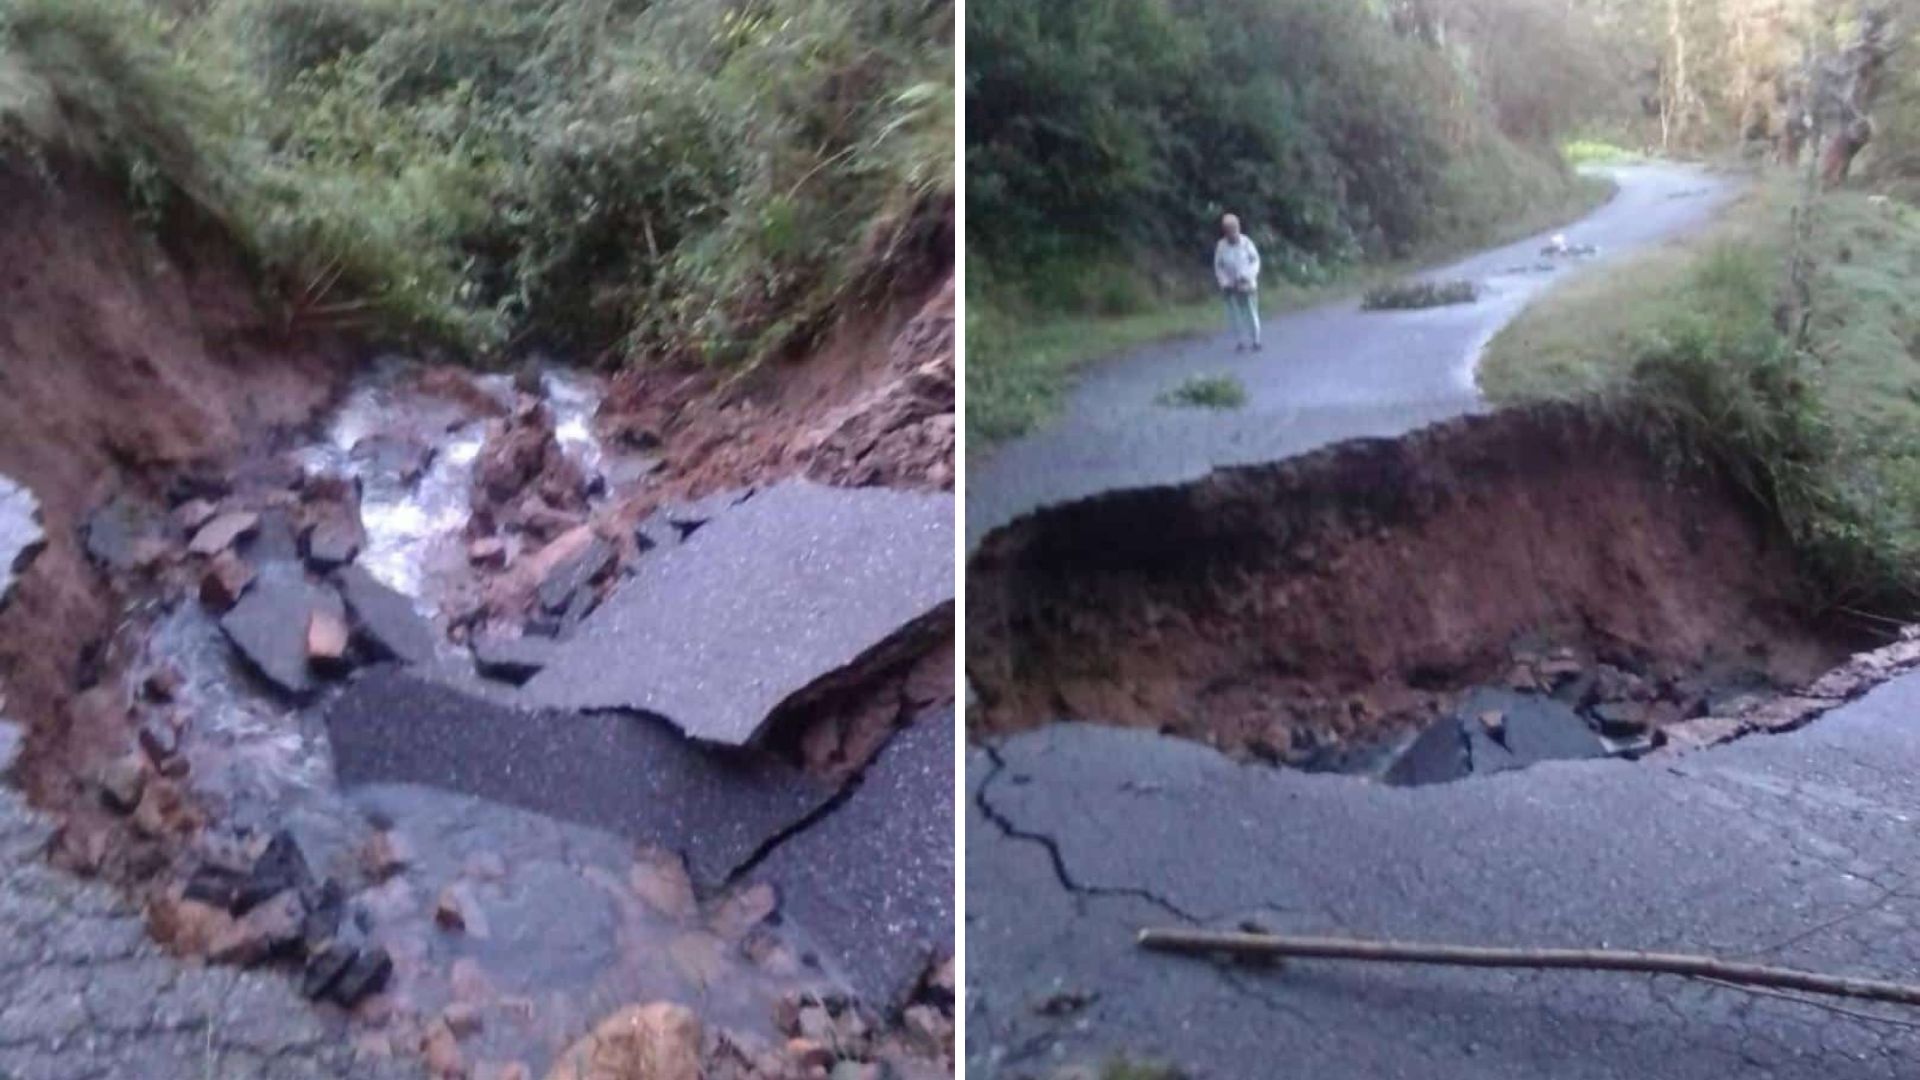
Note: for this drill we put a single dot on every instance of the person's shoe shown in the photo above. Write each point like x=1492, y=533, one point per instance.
x=1255, y=347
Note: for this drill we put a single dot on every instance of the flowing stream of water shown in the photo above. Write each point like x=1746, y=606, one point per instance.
x=576, y=927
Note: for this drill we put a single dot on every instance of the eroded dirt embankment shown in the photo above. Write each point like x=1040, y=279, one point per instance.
x=124, y=359
x=144, y=383
x=1352, y=595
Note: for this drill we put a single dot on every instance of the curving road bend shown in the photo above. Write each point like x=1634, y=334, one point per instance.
x=1327, y=374
x=1800, y=849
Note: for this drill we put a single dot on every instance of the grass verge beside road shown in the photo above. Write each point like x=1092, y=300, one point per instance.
x=1687, y=342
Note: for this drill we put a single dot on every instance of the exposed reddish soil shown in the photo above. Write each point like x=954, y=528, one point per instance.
x=122, y=358
x=1339, y=597
x=874, y=406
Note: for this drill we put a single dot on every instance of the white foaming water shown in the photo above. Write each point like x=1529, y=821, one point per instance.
x=573, y=400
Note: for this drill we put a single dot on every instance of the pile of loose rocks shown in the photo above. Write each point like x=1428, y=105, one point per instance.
x=252, y=900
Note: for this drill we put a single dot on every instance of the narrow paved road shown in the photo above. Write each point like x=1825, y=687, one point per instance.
x=1327, y=374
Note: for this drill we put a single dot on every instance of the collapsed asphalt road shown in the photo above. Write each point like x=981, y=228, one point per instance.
x=1326, y=375
x=1796, y=850
x=1791, y=850
x=778, y=595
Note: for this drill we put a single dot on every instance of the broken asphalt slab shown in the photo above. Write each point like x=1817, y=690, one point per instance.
x=384, y=620
x=771, y=600
x=1530, y=729
x=1798, y=848
x=269, y=624
x=513, y=660
x=872, y=883
x=626, y=774
x=21, y=536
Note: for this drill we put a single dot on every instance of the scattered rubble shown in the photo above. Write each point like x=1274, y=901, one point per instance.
x=661, y=1041
x=523, y=480
x=270, y=624
x=1776, y=715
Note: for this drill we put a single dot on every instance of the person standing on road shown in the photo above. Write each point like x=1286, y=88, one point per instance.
x=1236, y=266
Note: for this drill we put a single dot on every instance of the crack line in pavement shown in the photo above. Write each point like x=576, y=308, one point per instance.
x=1005, y=825
x=813, y=817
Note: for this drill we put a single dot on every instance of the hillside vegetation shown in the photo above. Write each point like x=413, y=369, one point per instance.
x=711, y=180
x=1105, y=138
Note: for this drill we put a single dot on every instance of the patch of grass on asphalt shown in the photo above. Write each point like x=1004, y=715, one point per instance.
x=1206, y=392
x=1685, y=342
x=1412, y=295
x=1021, y=363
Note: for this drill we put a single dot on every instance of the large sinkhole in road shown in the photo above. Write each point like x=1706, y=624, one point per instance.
x=1493, y=592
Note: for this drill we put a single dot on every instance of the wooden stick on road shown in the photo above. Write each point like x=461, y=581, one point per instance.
x=1209, y=942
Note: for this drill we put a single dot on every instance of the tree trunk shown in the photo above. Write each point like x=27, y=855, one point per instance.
x=1852, y=86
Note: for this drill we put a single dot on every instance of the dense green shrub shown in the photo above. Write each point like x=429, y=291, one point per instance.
x=689, y=178
x=1117, y=131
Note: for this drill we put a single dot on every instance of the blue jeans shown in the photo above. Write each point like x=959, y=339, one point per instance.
x=1243, y=316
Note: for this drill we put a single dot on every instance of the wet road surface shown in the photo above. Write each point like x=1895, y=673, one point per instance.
x=1325, y=375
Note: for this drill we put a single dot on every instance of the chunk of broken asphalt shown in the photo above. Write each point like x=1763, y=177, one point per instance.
x=325, y=966
x=366, y=976
x=269, y=624
x=280, y=868
x=778, y=597
x=513, y=660
x=573, y=574
x=335, y=539
x=385, y=622
x=273, y=541
x=1533, y=728
x=883, y=859
x=630, y=775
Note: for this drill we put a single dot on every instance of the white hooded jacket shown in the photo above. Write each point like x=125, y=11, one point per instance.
x=1237, y=264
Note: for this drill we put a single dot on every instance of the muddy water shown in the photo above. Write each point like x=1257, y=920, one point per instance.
x=575, y=921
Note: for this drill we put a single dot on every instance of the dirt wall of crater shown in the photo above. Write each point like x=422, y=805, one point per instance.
x=1343, y=589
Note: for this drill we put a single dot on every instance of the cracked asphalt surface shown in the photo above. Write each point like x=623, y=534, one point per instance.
x=1798, y=849
x=1795, y=849
x=1326, y=375
x=84, y=994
